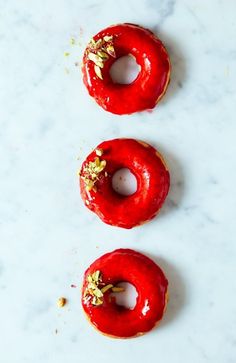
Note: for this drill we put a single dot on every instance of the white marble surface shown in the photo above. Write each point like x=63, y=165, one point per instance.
x=48, y=237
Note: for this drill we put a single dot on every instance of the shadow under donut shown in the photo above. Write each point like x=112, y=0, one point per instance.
x=176, y=290
x=178, y=65
x=176, y=192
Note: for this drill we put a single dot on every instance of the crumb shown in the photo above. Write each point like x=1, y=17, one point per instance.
x=72, y=41
x=73, y=286
x=61, y=302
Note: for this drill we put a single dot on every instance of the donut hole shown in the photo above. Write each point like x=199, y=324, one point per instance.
x=125, y=70
x=124, y=182
x=128, y=298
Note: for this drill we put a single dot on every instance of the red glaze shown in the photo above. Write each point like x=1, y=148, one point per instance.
x=150, y=283
x=152, y=176
x=151, y=83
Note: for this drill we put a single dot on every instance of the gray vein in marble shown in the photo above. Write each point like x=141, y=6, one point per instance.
x=163, y=8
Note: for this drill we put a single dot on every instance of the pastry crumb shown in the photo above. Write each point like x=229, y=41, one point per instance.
x=61, y=302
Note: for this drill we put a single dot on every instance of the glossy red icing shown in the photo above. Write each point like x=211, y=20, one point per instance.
x=153, y=183
x=151, y=83
x=150, y=283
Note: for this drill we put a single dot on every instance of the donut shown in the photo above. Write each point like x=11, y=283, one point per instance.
x=150, y=54
x=101, y=279
x=144, y=162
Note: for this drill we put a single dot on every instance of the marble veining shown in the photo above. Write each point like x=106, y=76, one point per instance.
x=49, y=124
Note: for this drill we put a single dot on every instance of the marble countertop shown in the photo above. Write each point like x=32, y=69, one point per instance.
x=49, y=124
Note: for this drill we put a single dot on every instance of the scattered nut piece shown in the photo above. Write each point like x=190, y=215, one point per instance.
x=72, y=40
x=66, y=54
x=61, y=302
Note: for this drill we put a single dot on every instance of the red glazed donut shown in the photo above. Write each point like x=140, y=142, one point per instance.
x=117, y=41
x=152, y=182
x=101, y=309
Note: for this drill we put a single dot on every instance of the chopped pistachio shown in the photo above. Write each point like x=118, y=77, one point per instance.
x=101, y=166
x=98, y=43
x=106, y=288
x=97, y=292
x=89, y=185
x=95, y=59
x=94, y=292
x=98, y=71
x=99, y=152
x=92, y=285
x=96, y=275
x=117, y=289
x=108, y=38
x=103, y=55
x=92, y=42
x=91, y=172
x=89, y=278
x=96, y=301
x=111, y=51
x=66, y=54
x=94, y=45
x=93, y=288
x=99, y=51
